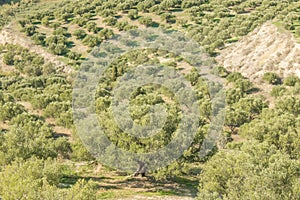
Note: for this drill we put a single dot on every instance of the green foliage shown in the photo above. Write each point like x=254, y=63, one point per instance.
x=235, y=118
x=61, y=31
x=39, y=179
x=54, y=109
x=233, y=77
x=46, y=21
x=73, y=55
x=91, y=41
x=53, y=92
x=278, y=91
x=290, y=104
x=267, y=169
x=30, y=136
x=55, y=25
x=91, y=27
x=193, y=76
x=57, y=44
x=133, y=14
x=168, y=4
x=144, y=6
x=79, y=34
x=191, y=3
x=81, y=21
x=29, y=30
x=291, y=80
x=221, y=71
x=106, y=33
x=27, y=178
x=237, y=173
x=8, y=58
x=23, y=22
x=39, y=39
x=168, y=17
x=147, y=21
x=65, y=119
x=233, y=95
x=122, y=25
x=243, y=111
x=276, y=127
x=79, y=152
x=110, y=21
x=107, y=12
x=243, y=84
x=271, y=78
x=10, y=110
x=26, y=62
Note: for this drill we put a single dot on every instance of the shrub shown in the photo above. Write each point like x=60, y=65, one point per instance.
x=39, y=38
x=8, y=58
x=55, y=25
x=272, y=78
x=221, y=71
x=122, y=25
x=291, y=80
x=147, y=21
x=46, y=21
x=57, y=44
x=234, y=77
x=169, y=18
x=74, y=55
x=92, y=27
x=54, y=109
x=243, y=84
x=10, y=110
x=106, y=33
x=48, y=69
x=110, y=21
x=278, y=91
x=29, y=30
x=133, y=14
x=91, y=41
x=79, y=34
x=60, y=31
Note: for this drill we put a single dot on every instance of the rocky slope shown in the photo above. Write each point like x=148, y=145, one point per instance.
x=267, y=48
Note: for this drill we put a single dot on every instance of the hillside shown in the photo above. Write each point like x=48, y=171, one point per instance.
x=221, y=76
x=267, y=49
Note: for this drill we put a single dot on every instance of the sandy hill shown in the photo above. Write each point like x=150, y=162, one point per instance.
x=267, y=48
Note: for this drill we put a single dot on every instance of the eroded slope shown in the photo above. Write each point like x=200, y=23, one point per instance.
x=267, y=48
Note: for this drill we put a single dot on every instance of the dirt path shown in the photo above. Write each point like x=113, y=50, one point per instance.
x=144, y=188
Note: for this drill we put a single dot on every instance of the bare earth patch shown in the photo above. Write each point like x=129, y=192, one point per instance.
x=265, y=49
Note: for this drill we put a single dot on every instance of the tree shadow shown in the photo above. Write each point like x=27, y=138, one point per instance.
x=36, y=22
x=70, y=44
x=177, y=186
x=155, y=24
x=176, y=10
x=68, y=35
x=58, y=135
x=72, y=179
x=253, y=90
x=2, y=2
